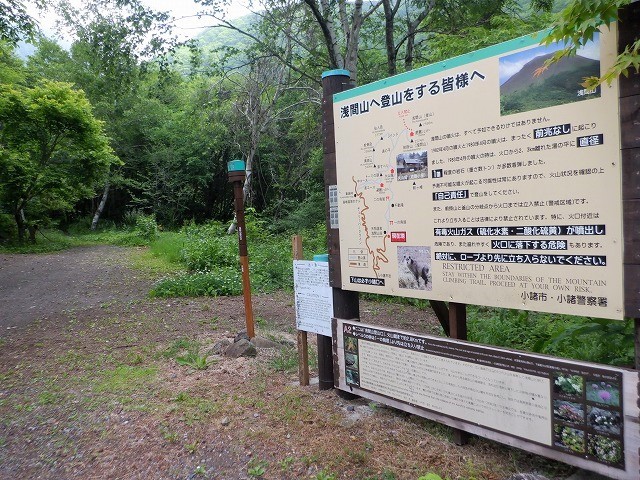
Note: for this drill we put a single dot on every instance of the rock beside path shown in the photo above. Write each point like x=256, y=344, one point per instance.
x=241, y=348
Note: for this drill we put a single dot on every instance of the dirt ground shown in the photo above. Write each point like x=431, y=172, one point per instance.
x=92, y=387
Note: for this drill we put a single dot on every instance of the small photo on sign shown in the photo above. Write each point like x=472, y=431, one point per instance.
x=603, y=393
x=414, y=268
x=353, y=377
x=528, y=83
x=605, y=449
x=604, y=421
x=568, y=385
x=351, y=360
x=412, y=165
x=568, y=438
x=568, y=412
x=350, y=345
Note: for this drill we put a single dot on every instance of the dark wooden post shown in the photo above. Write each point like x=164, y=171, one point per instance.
x=345, y=304
x=628, y=32
x=442, y=312
x=458, y=330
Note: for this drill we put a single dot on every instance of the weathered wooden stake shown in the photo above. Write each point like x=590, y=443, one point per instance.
x=236, y=177
x=303, y=346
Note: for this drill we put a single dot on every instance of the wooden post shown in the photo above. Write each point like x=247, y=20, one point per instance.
x=628, y=32
x=442, y=312
x=236, y=177
x=458, y=330
x=303, y=346
x=345, y=303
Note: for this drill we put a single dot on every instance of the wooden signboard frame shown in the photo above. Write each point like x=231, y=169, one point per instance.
x=453, y=316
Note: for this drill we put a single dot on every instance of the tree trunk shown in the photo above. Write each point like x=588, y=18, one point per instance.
x=412, y=32
x=20, y=223
x=233, y=228
x=389, y=25
x=103, y=202
x=33, y=229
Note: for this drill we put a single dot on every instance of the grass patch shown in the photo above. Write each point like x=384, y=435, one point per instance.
x=47, y=241
x=194, y=409
x=286, y=360
x=193, y=360
x=179, y=346
x=126, y=379
x=168, y=246
x=163, y=255
x=187, y=353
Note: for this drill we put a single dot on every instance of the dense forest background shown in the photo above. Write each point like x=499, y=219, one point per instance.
x=174, y=113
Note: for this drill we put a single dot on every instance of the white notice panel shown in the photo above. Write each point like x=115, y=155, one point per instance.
x=314, y=296
x=485, y=180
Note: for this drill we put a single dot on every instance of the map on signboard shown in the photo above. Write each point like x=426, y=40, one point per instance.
x=485, y=180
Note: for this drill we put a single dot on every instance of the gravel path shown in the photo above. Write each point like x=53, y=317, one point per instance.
x=35, y=286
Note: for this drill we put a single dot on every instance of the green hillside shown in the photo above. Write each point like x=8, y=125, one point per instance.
x=213, y=42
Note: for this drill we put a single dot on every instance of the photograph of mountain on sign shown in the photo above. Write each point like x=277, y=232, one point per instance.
x=521, y=90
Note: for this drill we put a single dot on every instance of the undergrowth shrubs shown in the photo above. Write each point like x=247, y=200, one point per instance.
x=596, y=340
x=211, y=259
x=222, y=282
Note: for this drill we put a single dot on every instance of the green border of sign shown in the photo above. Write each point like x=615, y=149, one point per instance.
x=487, y=52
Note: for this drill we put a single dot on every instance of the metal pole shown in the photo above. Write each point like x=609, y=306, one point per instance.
x=236, y=177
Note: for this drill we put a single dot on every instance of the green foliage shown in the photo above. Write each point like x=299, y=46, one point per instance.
x=8, y=231
x=193, y=360
x=257, y=468
x=15, y=22
x=187, y=353
x=207, y=247
x=577, y=24
x=52, y=151
x=498, y=28
x=596, y=340
x=211, y=257
x=325, y=475
x=146, y=227
x=223, y=282
x=607, y=341
x=430, y=476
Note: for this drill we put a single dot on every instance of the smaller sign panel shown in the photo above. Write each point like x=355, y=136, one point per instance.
x=314, y=296
x=580, y=413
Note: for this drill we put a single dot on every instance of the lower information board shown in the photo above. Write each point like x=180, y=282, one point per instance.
x=580, y=413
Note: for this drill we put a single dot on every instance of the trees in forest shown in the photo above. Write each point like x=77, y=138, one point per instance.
x=175, y=116
x=112, y=39
x=15, y=23
x=52, y=151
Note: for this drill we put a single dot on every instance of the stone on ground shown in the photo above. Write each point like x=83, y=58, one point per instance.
x=241, y=348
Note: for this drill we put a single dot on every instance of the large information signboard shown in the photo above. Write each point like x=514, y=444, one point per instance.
x=478, y=181
x=580, y=413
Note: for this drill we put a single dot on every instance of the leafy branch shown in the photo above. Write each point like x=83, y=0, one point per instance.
x=576, y=26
